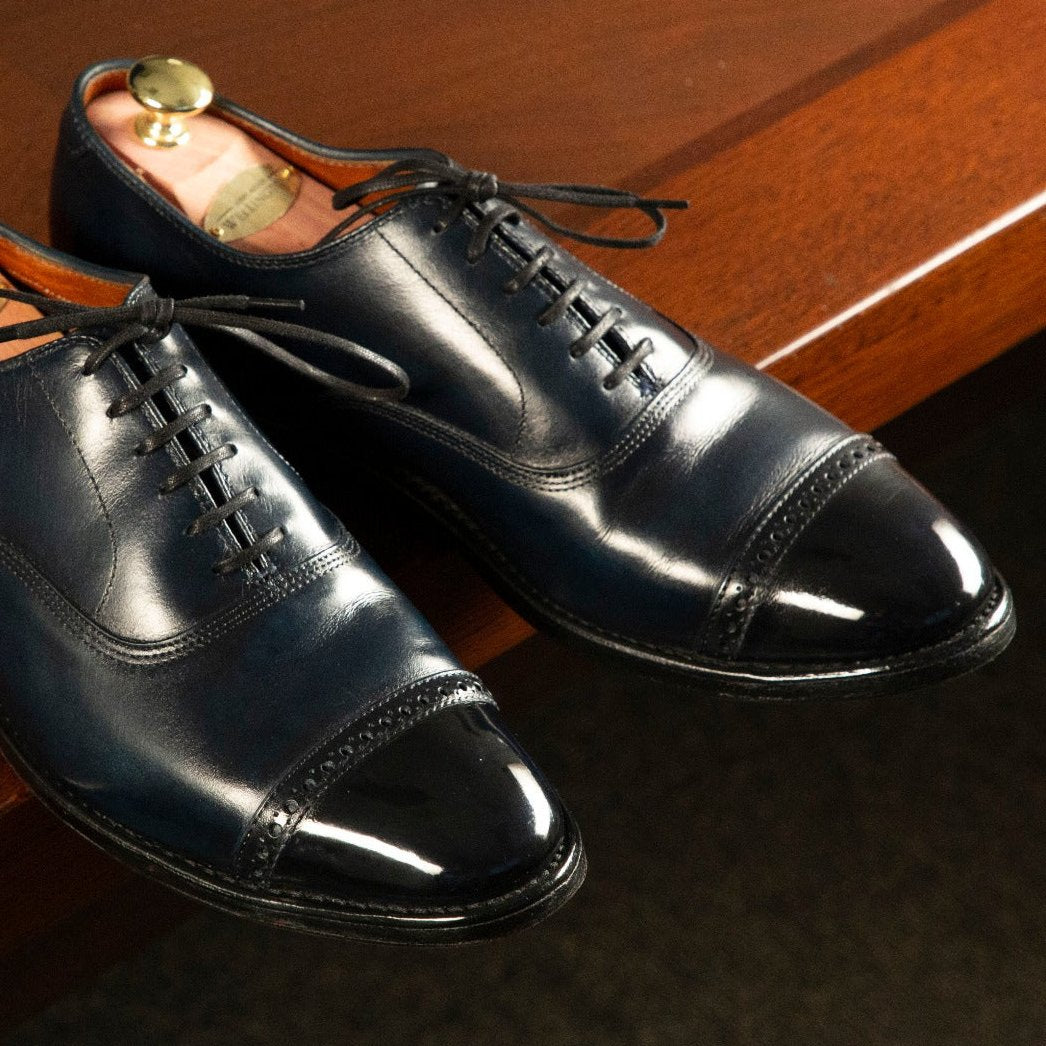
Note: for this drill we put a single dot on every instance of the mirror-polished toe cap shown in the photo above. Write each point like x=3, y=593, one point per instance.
x=882, y=570
x=450, y=813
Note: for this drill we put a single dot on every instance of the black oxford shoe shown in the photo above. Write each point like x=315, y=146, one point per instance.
x=202, y=672
x=621, y=481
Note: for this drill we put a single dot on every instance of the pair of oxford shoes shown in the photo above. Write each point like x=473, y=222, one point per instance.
x=207, y=675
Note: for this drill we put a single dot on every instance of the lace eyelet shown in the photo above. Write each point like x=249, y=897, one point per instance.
x=439, y=227
x=609, y=385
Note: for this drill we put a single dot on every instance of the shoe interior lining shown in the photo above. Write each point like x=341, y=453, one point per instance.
x=25, y=269
x=18, y=312
x=223, y=145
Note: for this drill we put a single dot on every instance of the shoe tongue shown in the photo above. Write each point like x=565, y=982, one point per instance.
x=141, y=291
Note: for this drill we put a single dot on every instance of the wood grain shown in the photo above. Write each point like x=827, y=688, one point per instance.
x=565, y=91
x=855, y=247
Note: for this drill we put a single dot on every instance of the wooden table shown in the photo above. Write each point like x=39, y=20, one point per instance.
x=867, y=182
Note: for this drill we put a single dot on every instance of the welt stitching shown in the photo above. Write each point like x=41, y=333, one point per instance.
x=680, y=653
x=138, y=655
x=154, y=849
x=94, y=484
x=551, y=865
x=533, y=592
x=472, y=324
x=744, y=588
x=302, y=786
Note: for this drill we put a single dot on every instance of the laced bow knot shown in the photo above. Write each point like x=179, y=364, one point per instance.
x=420, y=175
x=150, y=319
x=156, y=317
x=480, y=186
x=434, y=174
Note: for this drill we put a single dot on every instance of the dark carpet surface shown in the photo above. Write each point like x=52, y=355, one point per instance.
x=861, y=872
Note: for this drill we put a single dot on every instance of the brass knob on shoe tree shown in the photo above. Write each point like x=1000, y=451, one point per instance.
x=172, y=92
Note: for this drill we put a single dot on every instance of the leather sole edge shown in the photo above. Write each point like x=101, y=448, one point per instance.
x=525, y=906
x=971, y=647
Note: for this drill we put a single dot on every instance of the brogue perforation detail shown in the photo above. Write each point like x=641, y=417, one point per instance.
x=748, y=580
x=291, y=800
x=187, y=865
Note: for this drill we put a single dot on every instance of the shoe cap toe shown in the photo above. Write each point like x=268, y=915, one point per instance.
x=451, y=812
x=882, y=570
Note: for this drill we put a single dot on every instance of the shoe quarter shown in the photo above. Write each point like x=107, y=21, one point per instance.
x=52, y=509
x=562, y=412
x=476, y=356
x=89, y=512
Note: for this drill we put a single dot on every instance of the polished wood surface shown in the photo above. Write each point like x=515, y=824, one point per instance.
x=568, y=91
x=866, y=179
x=862, y=247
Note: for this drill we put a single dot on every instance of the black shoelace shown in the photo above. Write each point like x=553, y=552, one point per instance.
x=150, y=320
x=433, y=174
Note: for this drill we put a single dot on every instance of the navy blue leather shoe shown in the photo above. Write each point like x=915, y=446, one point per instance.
x=202, y=672
x=621, y=481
